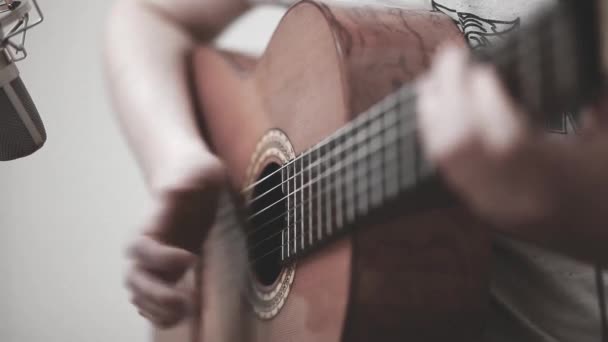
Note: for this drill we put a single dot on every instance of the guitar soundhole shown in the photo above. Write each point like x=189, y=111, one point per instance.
x=268, y=208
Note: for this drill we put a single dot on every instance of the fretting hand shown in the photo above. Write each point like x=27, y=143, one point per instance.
x=513, y=175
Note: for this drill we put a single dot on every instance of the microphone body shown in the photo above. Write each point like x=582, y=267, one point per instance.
x=21, y=129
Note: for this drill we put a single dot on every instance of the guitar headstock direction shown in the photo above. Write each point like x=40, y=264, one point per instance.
x=555, y=63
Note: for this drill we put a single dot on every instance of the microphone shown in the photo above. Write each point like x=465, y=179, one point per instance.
x=21, y=129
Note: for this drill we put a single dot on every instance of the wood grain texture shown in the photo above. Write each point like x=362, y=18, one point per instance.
x=422, y=277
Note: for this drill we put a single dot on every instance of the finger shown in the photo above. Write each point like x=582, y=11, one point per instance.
x=158, y=322
x=155, y=256
x=451, y=68
x=148, y=316
x=155, y=314
x=501, y=126
x=150, y=289
x=445, y=121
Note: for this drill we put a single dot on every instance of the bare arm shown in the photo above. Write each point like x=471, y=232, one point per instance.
x=147, y=44
x=146, y=49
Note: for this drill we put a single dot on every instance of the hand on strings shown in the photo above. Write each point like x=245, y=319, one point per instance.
x=169, y=246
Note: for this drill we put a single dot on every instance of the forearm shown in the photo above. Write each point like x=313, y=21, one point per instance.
x=146, y=56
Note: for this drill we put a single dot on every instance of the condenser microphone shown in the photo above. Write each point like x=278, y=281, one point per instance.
x=21, y=129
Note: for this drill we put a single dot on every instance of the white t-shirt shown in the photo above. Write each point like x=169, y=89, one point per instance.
x=537, y=295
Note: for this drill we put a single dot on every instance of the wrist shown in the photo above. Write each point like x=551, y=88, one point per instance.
x=189, y=167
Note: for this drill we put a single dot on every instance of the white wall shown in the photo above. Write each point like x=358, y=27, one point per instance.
x=67, y=212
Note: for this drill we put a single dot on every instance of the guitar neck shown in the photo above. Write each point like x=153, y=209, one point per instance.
x=553, y=65
x=550, y=67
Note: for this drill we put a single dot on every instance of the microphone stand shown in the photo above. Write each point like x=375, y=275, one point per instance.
x=15, y=18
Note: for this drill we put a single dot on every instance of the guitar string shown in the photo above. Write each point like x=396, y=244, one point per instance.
x=333, y=170
x=330, y=155
x=340, y=148
x=331, y=187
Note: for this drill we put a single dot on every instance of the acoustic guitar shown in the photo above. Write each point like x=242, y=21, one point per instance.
x=336, y=228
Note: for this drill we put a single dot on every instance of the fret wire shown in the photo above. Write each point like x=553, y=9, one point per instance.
x=319, y=199
x=392, y=175
x=295, y=212
x=302, y=199
x=328, y=180
x=361, y=181
x=376, y=133
x=349, y=172
x=407, y=151
x=289, y=204
x=338, y=193
x=310, y=210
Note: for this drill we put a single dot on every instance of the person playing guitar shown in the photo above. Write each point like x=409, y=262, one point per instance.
x=470, y=128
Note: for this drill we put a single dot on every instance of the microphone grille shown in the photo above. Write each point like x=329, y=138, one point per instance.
x=16, y=138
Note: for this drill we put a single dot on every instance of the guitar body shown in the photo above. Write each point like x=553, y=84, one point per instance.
x=420, y=277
